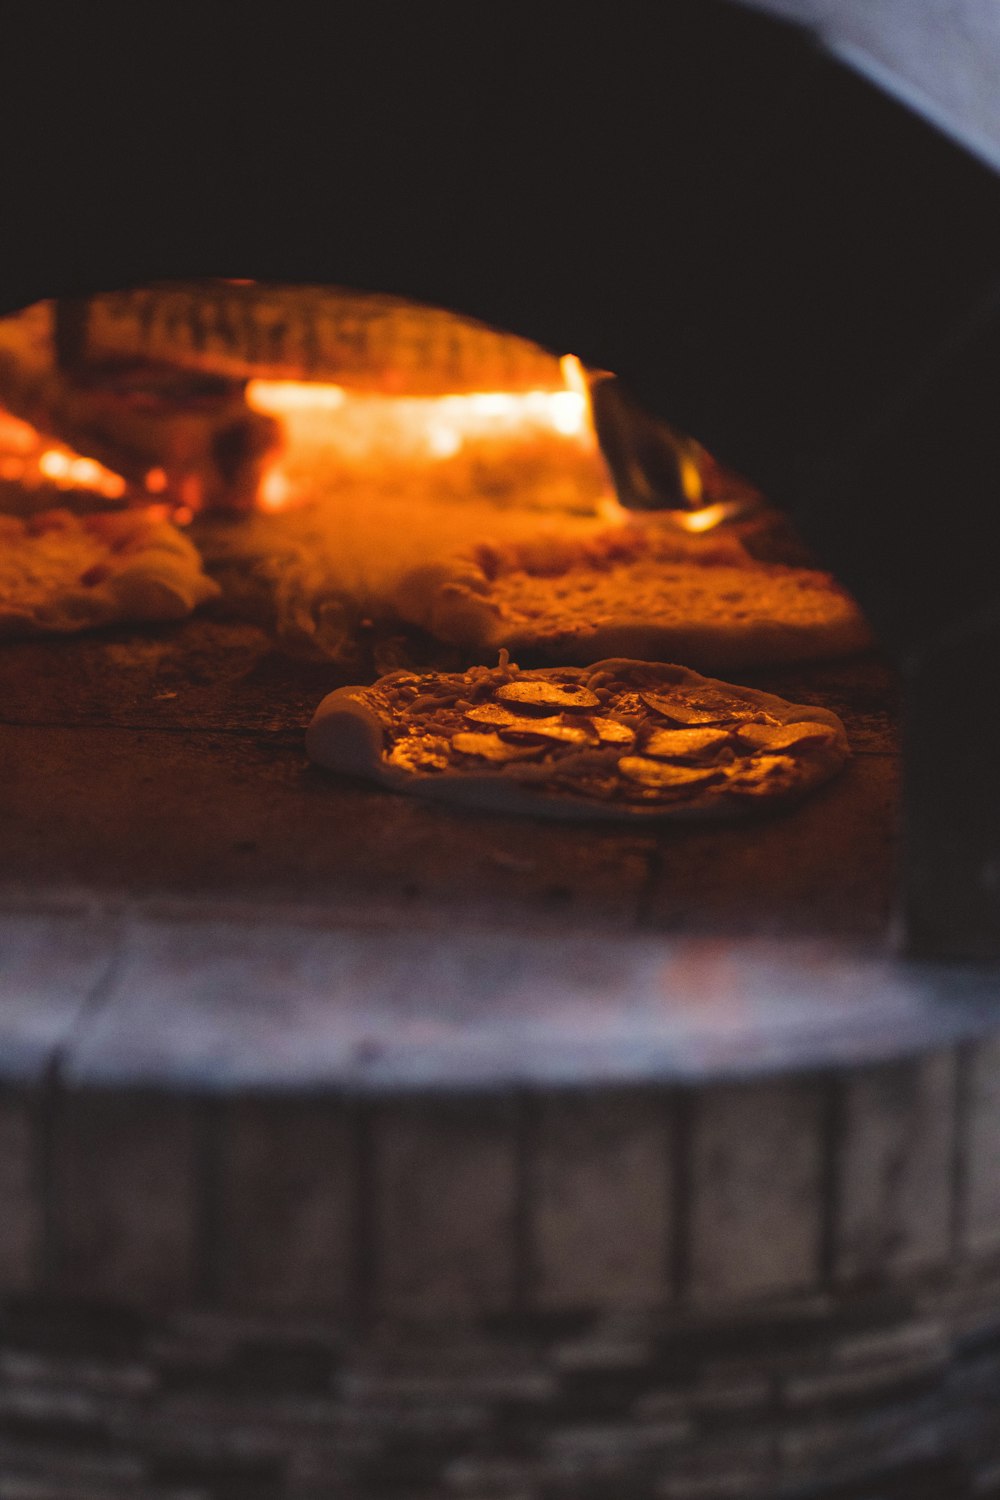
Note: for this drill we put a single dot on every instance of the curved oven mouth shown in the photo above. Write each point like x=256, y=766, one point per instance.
x=326, y=458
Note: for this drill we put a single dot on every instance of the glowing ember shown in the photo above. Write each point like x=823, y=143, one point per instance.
x=443, y=442
x=709, y=516
x=33, y=461
x=575, y=376
x=611, y=511
x=420, y=422
x=16, y=437
x=277, y=397
x=275, y=491
x=493, y=414
x=71, y=472
x=331, y=431
x=693, y=488
x=536, y=447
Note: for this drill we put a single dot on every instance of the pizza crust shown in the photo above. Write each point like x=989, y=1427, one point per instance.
x=351, y=732
x=641, y=592
x=61, y=573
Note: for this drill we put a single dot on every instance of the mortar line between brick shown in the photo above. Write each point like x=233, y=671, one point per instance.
x=94, y=1002
x=365, y=1269
x=964, y=1054
x=680, y=1168
x=523, y=1267
x=206, y=1272
x=833, y=1127
x=52, y=1086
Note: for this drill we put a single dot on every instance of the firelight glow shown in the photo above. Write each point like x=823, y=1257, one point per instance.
x=473, y=415
x=33, y=460
x=74, y=472
x=359, y=430
x=275, y=491
x=276, y=397
x=351, y=428
x=693, y=492
x=709, y=516
x=338, y=428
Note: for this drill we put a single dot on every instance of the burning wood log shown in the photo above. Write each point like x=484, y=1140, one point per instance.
x=378, y=344
x=172, y=433
x=152, y=382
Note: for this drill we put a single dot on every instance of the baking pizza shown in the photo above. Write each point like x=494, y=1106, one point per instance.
x=618, y=739
x=643, y=590
x=61, y=572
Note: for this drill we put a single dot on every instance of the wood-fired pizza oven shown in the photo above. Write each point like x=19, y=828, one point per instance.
x=356, y=1147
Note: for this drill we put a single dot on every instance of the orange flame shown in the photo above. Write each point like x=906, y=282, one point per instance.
x=275, y=491
x=33, y=461
x=278, y=397
x=345, y=428
x=709, y=516
x=349, y=428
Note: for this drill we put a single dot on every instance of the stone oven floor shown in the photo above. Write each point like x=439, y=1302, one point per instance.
x=167, y=767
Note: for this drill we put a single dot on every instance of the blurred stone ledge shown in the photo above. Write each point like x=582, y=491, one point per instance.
x=489, y=1215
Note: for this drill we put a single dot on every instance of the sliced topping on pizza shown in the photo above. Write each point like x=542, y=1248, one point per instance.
x=668, y=744
x=548, y=729
x=493, y=713
x=612, y=731
x=782, y=736
x=541, y=692
x=492, y=747
x=660, y=773
x=702, y=707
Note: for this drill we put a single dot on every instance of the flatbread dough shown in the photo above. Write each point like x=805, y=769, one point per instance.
x=60, y=573
x=621, y=739
x=642, y=591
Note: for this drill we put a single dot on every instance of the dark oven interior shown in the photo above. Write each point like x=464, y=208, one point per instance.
x=774, y=255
